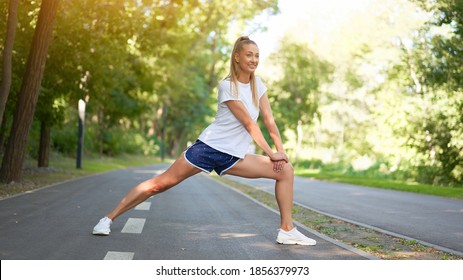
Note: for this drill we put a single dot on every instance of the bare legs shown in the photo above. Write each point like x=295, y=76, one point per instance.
x=177, y=172
x=284, y=194
x=255, y=166
x=252, y=166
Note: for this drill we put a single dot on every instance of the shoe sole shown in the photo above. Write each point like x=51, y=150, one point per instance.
x=100, y=233
x=296, y=243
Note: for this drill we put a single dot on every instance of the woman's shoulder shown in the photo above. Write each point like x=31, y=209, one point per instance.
x=224, y=85
x=225, y=81
x=259, y=80
x=261, y=87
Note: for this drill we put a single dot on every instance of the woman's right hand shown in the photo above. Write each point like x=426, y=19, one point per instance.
x=279, y=156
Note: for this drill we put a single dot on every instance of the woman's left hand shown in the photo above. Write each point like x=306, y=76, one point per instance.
x=278, y=165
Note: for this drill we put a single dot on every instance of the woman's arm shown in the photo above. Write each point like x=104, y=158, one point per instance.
x=239, y=111
x=270, y=123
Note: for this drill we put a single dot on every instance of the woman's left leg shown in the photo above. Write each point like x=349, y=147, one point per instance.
x=257, y=166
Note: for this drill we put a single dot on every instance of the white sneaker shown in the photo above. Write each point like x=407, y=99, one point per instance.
x=103, y=227
x=294, y=237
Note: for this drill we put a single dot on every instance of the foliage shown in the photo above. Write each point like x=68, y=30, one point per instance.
x=375, y=91
x=298, y=89
x=434, y=62
x=303, y=74
x=139, y=65
x=392, y=106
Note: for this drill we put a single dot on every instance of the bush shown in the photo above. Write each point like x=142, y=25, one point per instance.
x=309, y=164
x=64, y=139
x=118, y=141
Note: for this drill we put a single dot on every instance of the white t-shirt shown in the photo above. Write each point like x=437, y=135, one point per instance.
x=226, y=133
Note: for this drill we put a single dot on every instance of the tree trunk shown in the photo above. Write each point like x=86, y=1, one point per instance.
x=177, y=146
x=101, y=132
x=412, y=68
x=8, y=55
x=300, y=134
x=156, y=120
x=28, y=95
x=44, y=147
x=163, y=132
x=2, y=135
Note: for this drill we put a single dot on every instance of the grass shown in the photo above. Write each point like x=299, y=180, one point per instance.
x=98, y=165
x=451, y=192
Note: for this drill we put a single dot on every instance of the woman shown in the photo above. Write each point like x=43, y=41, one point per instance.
x=223, y=144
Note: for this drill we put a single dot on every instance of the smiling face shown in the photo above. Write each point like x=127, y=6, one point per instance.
x=247, y=59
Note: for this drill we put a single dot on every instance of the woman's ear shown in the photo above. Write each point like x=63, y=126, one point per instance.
x=237, y=58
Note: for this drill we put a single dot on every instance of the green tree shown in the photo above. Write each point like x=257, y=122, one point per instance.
x=298, y=91
x=8, y=56
x=191, y=54
x=14, y=154
x=143, y=66
x=434, y=63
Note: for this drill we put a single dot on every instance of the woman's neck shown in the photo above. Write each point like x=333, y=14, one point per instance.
x=243, y=78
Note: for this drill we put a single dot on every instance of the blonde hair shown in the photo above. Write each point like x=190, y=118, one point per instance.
x=234, y=70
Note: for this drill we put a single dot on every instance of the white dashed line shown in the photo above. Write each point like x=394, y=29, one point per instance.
x=143, y=206
x=134, y=225
x=113, y=255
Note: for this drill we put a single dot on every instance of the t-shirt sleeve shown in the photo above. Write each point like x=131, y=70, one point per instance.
x=261, y=88
x=225, y=93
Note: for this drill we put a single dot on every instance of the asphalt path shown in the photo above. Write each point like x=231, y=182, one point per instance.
x=200, y=219
x=432, y=220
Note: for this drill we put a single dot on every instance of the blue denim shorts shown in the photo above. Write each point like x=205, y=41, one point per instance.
x=207, y=158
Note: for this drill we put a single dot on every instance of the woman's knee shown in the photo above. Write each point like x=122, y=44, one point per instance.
x=289, y=169
x=287, y=172
x=157, y=185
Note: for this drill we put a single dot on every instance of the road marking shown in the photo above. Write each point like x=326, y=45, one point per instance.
x=113, y=255
x=134, y=225
x=143, y=206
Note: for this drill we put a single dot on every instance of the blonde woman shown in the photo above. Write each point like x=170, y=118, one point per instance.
x=223, y=144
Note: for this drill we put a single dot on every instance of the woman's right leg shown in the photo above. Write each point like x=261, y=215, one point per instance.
x=177, y=172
